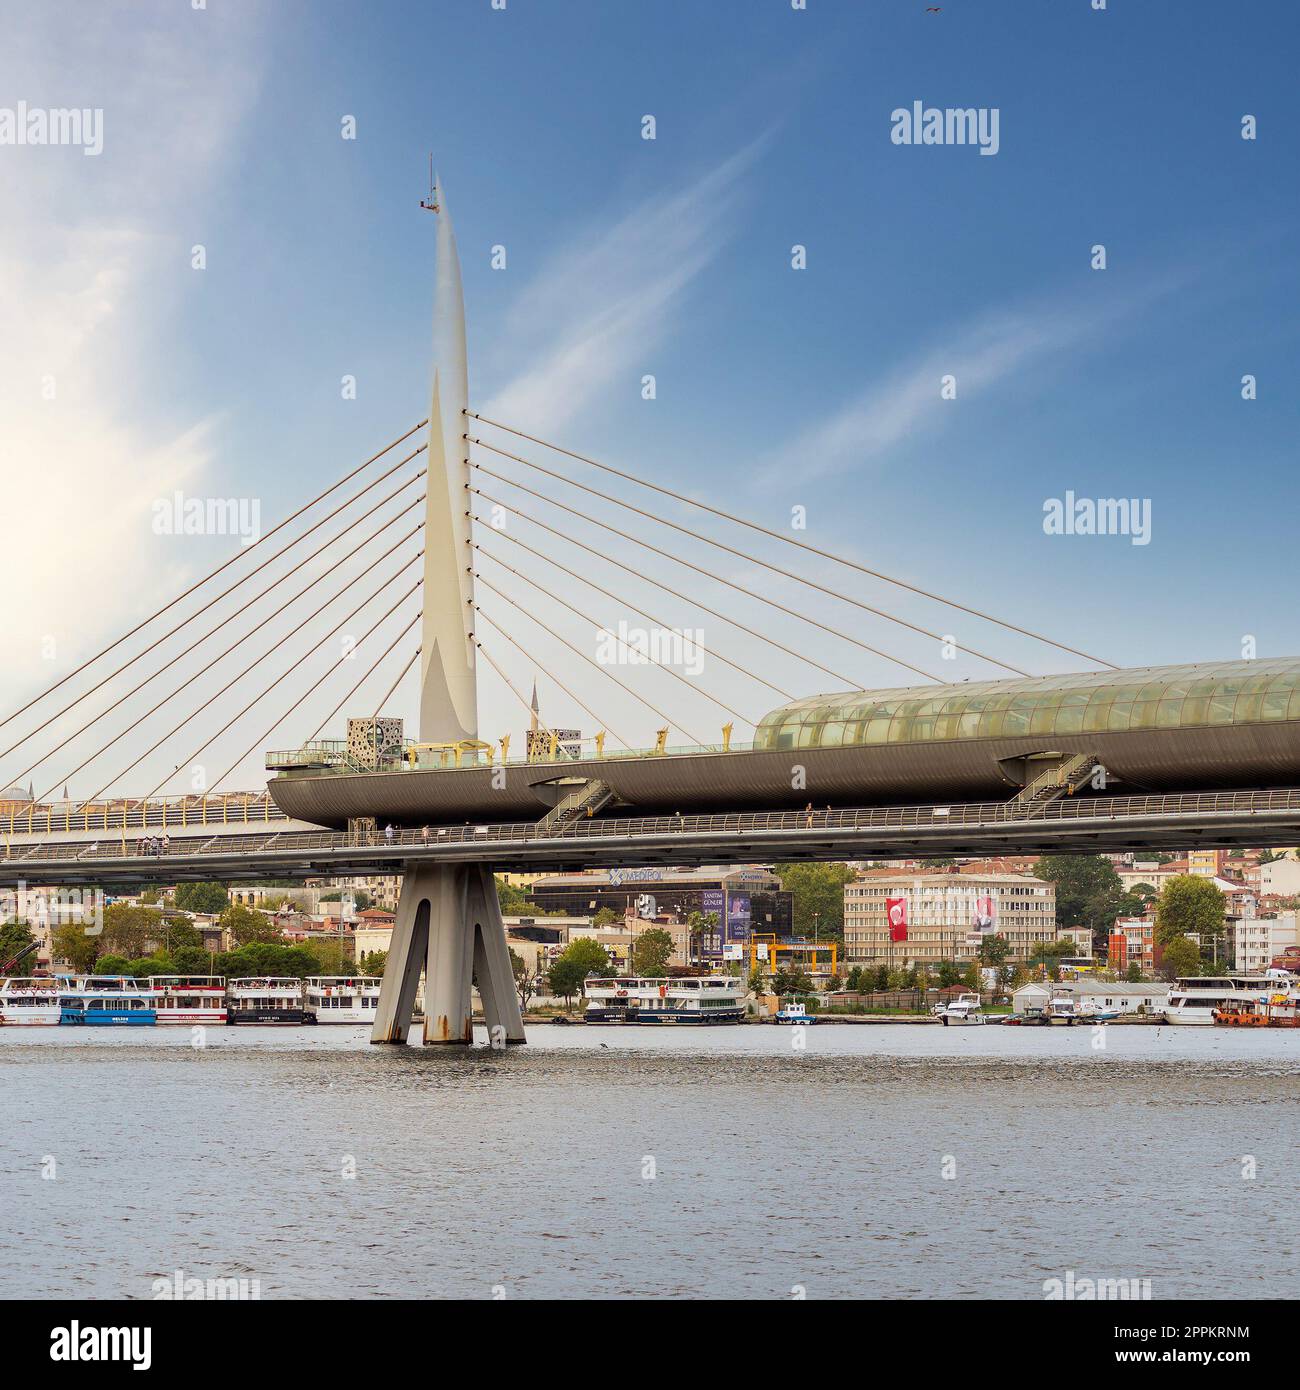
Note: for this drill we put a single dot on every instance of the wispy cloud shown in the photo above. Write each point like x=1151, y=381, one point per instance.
x=595, y=315
x=87, y=442
x=979, y=355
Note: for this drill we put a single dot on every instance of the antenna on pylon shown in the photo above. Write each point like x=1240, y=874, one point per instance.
x=427, y=203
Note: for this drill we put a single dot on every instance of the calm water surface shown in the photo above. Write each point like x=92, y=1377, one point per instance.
x=525, y=1170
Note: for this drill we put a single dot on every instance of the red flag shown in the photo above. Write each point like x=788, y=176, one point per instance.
x=896, y=911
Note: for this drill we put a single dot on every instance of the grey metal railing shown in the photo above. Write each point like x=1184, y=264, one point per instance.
x=980, y=814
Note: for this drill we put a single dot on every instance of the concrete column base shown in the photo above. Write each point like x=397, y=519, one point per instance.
x=449, y=922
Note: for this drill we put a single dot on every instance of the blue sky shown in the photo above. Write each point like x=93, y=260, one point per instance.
x=775, y=388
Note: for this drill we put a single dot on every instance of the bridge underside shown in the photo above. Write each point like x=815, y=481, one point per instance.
x=1074, y=826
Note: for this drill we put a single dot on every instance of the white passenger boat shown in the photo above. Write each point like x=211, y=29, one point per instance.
x=1194, y=998
x=266, y=999
x=189, y=998
x=28, y=1001
x=97, y=1001
x=794, y=1013
x=342, y=998
x=701, y=999
x=961, y=1012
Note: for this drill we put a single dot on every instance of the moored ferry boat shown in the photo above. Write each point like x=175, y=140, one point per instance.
x=106, y=1001
x=266, y=999
x=189, y=998
x=24, y=1002
x=1193, y=999
x=703, y=999
x=342, y=998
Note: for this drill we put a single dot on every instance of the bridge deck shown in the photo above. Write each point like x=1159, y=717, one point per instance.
x=1082, y=825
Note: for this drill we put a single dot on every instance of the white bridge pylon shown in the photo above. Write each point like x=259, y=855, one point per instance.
x=448, y=918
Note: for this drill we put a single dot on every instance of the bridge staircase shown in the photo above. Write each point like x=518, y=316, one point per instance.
x=1060, y=779
x=580, y=804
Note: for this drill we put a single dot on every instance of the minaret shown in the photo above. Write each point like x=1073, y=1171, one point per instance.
x=448, y=687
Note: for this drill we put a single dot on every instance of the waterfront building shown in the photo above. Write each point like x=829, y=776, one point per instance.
x=1132, y=942
x=942, y=916
x=1121, y=996
x=1254, y=942
x=746, y=899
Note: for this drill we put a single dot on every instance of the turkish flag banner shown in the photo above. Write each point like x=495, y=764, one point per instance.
x=896, y=911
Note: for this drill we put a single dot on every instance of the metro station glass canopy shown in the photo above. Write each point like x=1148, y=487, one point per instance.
x=1155, y=697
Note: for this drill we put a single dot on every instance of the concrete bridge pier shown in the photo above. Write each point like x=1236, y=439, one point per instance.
x=448, y=922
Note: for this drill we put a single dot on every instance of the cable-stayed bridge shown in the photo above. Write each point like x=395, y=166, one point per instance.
x=464, y=544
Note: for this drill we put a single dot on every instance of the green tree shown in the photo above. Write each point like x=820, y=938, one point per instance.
x=1134, y=973
x=993, y=950
x=651, y=951
x=266, y=958
x=607, y=917
x=191, y=960
x=525, y=982
x=949, y=974
x=818, y=898
x=1049, y=953
x=70, y=943
x=15, y=938
x=131, y=931
x=246, y=925
x=1088, y=891
x=700, y=927
x=1189, y=904
x=791, y=981
x=208, y=898
x=1179, y=957
x=112, y=965
x=373, y=964
x=571, y=967
x=178, y=932
x=881, y=982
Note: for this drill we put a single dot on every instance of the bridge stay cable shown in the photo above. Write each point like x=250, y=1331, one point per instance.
x=209, y=700
x=289, y=670
x=849, y=682
x=185, y=684
x=244, y=550
x=600, y=723
x=383, y=656
x=578, y=652
x=374, y=535
x=284, y=550
x=627, y=603
x=791, y=540
x=751, y=558
x=392, y=689
x=586, y=617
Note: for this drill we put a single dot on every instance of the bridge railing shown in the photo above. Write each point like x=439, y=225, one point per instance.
x=980, y=814
x=158, y=814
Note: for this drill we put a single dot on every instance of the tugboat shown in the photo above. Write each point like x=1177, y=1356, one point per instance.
x=795, y=1012
x=266, y=999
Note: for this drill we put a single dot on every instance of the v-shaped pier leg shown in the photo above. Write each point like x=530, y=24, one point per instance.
x=448, y=921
